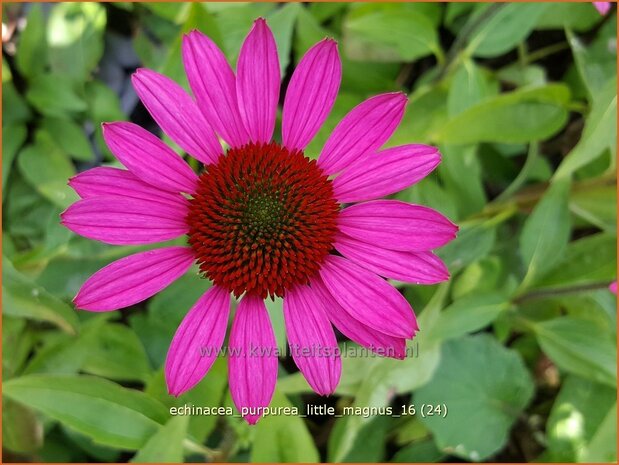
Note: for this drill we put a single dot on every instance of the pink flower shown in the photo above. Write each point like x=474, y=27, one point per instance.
x=602, y=7
x=613, y=287
x=262, y=219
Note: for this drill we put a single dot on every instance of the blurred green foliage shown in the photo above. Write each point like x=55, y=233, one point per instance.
x=520, y=345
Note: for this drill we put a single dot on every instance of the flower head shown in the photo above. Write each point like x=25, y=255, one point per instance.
x=263, y=219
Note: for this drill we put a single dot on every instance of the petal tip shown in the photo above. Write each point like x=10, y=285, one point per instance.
x=252, y=419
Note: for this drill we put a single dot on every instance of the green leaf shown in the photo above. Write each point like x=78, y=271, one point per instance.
x=75, y=38
x=103, y=105
x=426, y=114
x=198, y=17
x=104, y=411
x=577, y=416
x=419, y=452
x=14, y=137
x=27, y=212
x=600, y=132
x=59, y=354
x=369, y=443
x=14, y=108
x=282, y=438
x=481, y=383
x=483, y=276
x=173, y=12
x=474, y=241
x=236, y=21
x=597, y=206
x=54, y=95
x=31, y=56
x=17, y=342
x=590, y=260
x=467, y=191
x=172, y=304
x=579, y=346
x=207, y=393
x=388, y=32
x=572, y=15
x=281, y=22
x=546, y=232
x=166, y=445
x=468, y=87
x=116, y=352
x=603, y=446
x=506, y=29
x=23, y=298
x=70, y=137
x=47, y=169
x=469, y=314
x=25, y=433
x=524, y=115
x=596, y=62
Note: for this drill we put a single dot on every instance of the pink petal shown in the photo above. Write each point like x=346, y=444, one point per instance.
x=613, y=287
x=197, y=341
x=602, y=7
x=148, y=158
x=133, y=279
x=213, y=83
x=378, y=342
x=364, y=130
x=379, y=174
x=177, y=115
x=252, y=361
x=257, y=82
x=311, y=93
x=312, y=342
x=368, y=298
x=409, y=267
x=125, y=221
x=113, y=182
x=396, y=225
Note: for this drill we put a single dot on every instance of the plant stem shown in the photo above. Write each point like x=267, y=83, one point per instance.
x=546, y=51
x=192, y=446
x=463, y=37
x=552, y=292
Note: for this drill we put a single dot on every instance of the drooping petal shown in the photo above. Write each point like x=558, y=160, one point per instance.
x=380, y=174
x=133, y=279
x=312, y=341
x=367, y=297
x=213, y=83
x=197, y=341
x=602, y=7
x=257, y=82
x=126, y=221
x=252, y=360
x=177, y=115
x=380, y=343
x=311, y=93
x=105, y=181
x=364, y=130
x=409, y=267
x=149, y=158
x=396, y=225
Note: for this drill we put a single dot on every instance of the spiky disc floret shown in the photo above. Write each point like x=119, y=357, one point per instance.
x=262, y=220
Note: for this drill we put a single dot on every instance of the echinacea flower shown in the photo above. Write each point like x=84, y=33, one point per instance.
x=263, y=219
x=602, y=7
